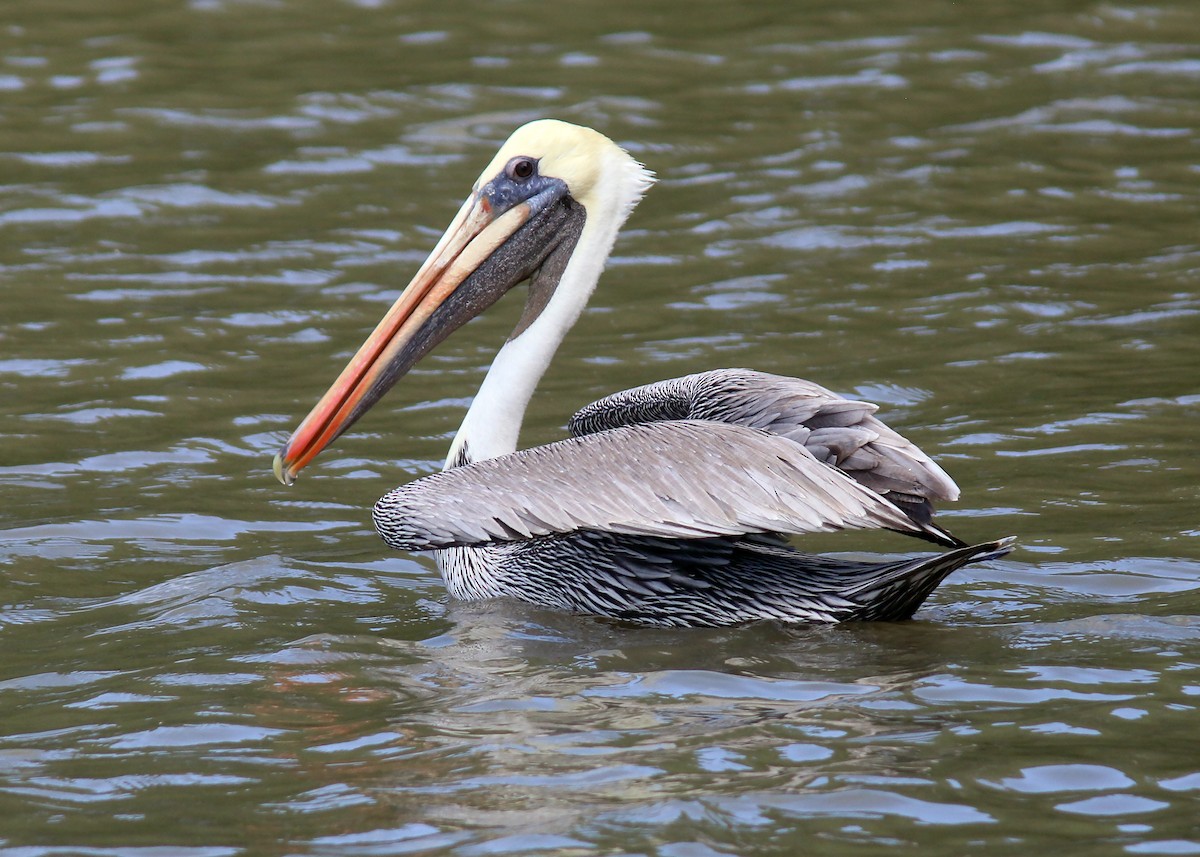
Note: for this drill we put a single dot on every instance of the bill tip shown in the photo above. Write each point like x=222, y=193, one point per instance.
x=282, y=472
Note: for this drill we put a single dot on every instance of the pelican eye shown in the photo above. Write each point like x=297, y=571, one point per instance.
x=521, y=168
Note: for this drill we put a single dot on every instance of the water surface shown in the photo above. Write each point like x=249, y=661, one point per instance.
x=982, y=217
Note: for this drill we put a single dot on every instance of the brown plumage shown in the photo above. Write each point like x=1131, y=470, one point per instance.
x=673, y=503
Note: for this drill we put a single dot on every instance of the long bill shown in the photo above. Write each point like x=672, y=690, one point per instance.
x=422, y=317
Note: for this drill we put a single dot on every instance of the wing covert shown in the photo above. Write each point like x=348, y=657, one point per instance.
x=836, y=430
x=673, y=479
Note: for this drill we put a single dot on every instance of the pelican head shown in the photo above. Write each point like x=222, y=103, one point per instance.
x=547, y=210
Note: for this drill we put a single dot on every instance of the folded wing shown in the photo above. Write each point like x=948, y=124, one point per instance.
x=674, y=479
x=838, y=431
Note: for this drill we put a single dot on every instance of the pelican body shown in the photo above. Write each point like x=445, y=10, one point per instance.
x=670, y=504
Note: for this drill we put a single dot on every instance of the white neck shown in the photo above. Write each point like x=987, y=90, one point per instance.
x=493, y=421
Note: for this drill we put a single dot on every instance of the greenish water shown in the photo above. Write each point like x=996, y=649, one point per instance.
x=981, y=216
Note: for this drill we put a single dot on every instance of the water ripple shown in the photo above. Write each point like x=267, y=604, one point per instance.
x=985, y=225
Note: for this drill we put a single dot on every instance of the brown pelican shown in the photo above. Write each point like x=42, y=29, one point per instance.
x=670, y=504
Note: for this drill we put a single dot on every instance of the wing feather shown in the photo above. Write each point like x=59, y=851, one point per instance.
x=672, y=479
x=836, y=430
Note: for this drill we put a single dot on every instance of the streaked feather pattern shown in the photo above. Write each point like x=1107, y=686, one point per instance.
x=836, y=430
x=671, y=502
x=678, y=479
x=698, y=582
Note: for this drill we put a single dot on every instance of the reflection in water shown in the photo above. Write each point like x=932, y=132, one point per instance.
x=983, y=219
